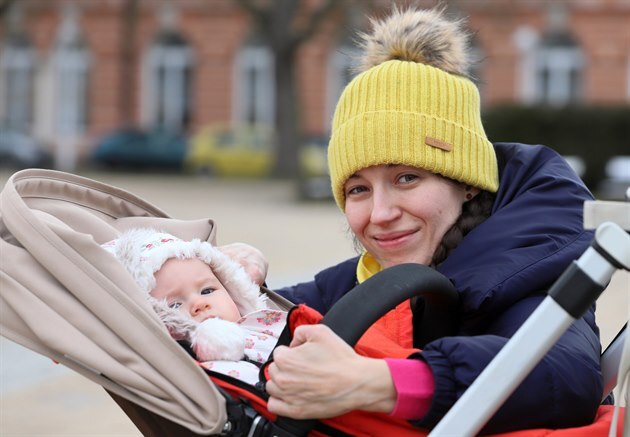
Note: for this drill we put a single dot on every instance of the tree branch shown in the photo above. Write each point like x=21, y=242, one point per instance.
x=313, y=24
x=5, y=5
x=260, y=15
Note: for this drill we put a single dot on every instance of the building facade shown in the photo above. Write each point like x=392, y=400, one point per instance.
x=74, y=70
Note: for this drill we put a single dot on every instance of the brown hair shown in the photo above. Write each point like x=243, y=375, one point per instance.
x=474, y=212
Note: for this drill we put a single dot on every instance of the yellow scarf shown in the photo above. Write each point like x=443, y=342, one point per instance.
x=367, y=267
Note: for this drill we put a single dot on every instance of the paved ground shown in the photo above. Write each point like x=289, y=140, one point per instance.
x=39, y=398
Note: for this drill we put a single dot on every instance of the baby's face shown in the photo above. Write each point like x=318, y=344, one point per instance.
x=190, y=286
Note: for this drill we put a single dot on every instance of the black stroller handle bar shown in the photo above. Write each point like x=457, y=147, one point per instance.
x=362, y=306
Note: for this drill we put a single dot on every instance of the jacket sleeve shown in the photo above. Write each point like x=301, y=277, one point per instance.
x=562, y=391
x=327, y=288
x=304, y=292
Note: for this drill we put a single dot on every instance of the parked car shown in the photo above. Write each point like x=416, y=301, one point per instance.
x=18, y=151
x=617, y=180
x=247, y=151
x=136, y=148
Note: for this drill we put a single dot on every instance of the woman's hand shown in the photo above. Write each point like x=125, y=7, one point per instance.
x=320, y=376
x=252, y=260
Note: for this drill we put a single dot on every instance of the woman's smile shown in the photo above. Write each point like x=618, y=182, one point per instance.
x=394, y=240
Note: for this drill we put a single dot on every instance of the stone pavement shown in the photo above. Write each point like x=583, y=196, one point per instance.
x=39, y=398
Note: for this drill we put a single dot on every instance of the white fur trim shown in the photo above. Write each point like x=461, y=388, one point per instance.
x=180, y=326
x=236, y=281
x=143, y=252
x=217, y=339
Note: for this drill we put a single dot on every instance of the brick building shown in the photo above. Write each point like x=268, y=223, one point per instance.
x=73, y=70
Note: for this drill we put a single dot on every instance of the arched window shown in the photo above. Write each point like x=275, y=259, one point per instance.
x=17, y=73
x=168, y=70
x=70, y=61
x=559, y=66
x=341, y=70
x=551, y=64
x=254, y=97
x=550, y=69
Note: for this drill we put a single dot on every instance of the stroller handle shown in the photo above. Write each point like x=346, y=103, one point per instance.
x=362, y=306
x=358, y=309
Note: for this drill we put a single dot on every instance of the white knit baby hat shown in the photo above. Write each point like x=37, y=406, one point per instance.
x=143, y=251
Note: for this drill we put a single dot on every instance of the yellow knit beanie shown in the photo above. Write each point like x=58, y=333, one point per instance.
x=417, y=109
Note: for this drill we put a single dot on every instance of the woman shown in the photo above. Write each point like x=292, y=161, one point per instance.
x=418, y=181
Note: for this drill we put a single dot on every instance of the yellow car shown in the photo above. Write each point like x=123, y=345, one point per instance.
x=246, y=151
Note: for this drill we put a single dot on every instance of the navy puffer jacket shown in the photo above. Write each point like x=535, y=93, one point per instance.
x=502, y=270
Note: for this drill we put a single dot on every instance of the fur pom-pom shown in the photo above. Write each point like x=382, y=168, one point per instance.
x=212, y=339
x=216, y=339
x=422, y=36
x=178, y=325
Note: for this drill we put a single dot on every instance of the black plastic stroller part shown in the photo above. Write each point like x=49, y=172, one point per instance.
x=362, y=306
x=611, y=357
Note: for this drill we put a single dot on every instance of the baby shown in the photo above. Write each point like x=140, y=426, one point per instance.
x=204, y=297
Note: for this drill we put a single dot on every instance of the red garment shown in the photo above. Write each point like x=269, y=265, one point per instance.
x=397, y=325
x=376, y=344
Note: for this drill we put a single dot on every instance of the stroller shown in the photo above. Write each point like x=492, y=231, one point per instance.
x=84, y=312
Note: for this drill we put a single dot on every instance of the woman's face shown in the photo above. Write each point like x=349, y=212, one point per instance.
x=400, y=213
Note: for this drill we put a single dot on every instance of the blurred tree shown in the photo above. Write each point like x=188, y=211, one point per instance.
x=5, y=5
x=286, y=25
x=129, y=24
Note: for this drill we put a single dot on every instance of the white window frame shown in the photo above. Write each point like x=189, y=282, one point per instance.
x=559, y=61
x=71, y=65
x=564, y=65
x=167, y=103
x=254, y=104
x=526, y=40
x=18, y=64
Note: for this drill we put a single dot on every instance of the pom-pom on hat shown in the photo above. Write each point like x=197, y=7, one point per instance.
x=413, y=105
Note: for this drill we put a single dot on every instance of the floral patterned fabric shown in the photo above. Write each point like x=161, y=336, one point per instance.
x=263, y=328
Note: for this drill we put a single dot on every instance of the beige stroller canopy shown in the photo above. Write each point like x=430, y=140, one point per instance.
x=96, y=321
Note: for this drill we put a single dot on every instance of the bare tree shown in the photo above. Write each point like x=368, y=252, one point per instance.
x=129, y=26
x=4, y=6
x=287, y=24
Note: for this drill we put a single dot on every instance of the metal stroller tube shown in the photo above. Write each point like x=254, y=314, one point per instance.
x=570, y=296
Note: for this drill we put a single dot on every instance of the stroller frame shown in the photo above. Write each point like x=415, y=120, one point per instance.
x=568, y=299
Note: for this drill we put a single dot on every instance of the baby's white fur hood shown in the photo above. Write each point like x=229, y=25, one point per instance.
x=143, y=252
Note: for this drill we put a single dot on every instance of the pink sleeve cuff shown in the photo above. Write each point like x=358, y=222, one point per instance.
x=414, y=385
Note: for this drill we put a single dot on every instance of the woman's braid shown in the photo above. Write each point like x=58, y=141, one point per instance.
x=474, y=212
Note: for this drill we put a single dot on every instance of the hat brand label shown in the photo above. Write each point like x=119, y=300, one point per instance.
x=434, y=142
